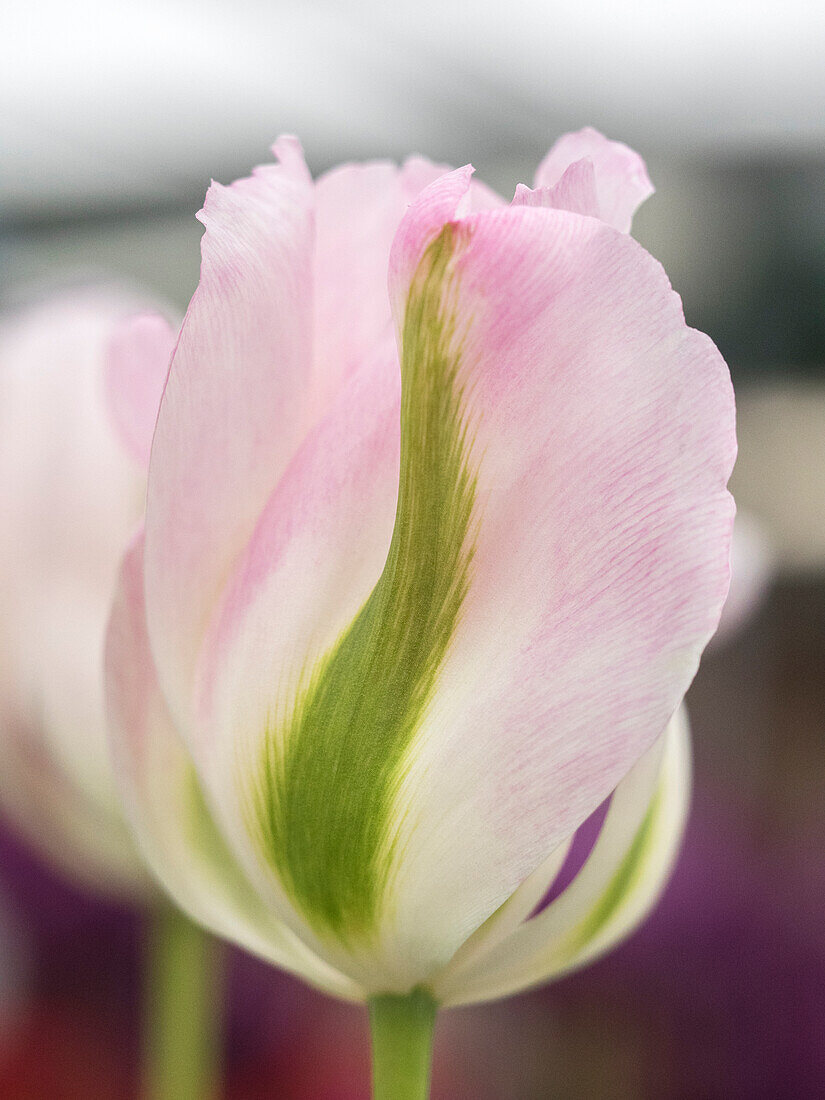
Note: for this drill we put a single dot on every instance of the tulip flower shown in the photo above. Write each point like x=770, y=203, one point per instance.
x=72, y=488
x=80, y=380
x=425, y=575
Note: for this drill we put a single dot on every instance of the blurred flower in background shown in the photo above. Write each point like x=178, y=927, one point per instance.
x=71, y=496
x=112, y=118
x=72, y=487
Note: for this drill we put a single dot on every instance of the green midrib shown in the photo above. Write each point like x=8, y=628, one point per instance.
x=323, y=805
x=621, y=885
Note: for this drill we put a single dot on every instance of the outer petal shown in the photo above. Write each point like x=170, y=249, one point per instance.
x=443, y=200
x=508, y=917
x=166, y=806
x=600, y=437
x=236, y=404
x=622, y=182
x=293, y=296
x=315, y=556
x=358, y=208
x=575, y=191
x=137, y=364
x=620, y=882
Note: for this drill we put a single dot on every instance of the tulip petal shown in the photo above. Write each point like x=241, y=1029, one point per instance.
x=311, y=564
x=621, y=180
x=245, y=351
x=443, y=200
x=312, y=263
x=357, y=211
x=509, y=916
x=168, y=810
x=575, y=191
x=600, y=438
x=358, y=208
x=621, y=880
x=137, y=364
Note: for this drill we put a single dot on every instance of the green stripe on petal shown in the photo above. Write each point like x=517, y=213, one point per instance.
x=623, y=884
x=324, y=803
x=638, y=879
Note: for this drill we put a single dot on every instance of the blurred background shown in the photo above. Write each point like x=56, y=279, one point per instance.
x=113, y=118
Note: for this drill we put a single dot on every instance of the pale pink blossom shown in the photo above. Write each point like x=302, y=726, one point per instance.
x=357, y=725
x=72, y=487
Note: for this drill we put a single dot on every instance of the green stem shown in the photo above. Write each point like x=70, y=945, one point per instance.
x=182, y=1045
x=402, y=1042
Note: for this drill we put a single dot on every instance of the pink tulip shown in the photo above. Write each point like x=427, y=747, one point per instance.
x=72, y=485
x=425, y=574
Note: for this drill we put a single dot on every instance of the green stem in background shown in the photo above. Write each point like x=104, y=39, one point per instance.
x=402, y=1043
x=183, y=1024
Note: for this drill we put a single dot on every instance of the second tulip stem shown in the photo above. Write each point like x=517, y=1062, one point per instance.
x=183, y=1032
